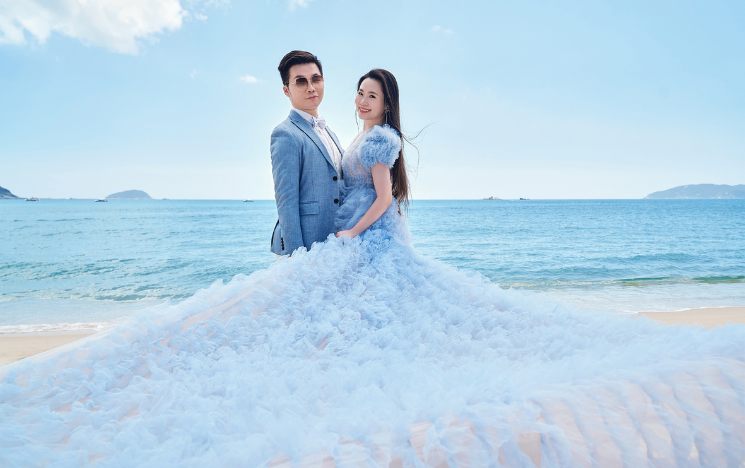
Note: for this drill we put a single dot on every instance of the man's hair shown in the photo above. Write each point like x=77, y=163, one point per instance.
x=296, y=57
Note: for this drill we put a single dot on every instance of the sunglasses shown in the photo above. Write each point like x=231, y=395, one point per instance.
x=302, y=83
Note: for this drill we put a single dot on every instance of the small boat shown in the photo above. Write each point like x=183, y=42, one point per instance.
x=32, y=199
x=247, y=201
x=525, y=199
x=101, y=200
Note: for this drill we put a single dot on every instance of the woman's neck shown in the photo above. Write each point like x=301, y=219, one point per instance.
x=370, y=124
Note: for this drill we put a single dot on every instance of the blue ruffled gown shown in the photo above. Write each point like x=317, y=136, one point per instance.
x=362, y=352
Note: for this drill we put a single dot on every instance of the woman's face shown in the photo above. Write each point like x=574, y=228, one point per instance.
x=369, y=101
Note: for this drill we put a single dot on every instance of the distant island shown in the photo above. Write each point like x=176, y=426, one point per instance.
x=491, y=198
x=130, y=195
x=5, y=193
x=700, y=191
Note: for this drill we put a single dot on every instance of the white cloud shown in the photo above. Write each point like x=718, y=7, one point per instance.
x=117, y=25
x=200, y=16
x=194, y=74
x=299, y=3
x=439, y=29
x=212, y=3
x=249, y=79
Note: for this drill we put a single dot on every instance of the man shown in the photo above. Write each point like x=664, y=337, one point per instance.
x=306, y=160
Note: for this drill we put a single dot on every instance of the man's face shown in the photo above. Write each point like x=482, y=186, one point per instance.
x=309, y=99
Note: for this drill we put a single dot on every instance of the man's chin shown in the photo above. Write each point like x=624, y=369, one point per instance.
x=311, y=105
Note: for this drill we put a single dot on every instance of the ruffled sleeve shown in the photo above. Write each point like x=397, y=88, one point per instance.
x=381, y=145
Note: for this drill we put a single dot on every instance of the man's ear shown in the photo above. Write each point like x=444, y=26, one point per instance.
x=286, y=90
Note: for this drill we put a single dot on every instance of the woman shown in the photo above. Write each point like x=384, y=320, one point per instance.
x=362, y=352
x=374, y=168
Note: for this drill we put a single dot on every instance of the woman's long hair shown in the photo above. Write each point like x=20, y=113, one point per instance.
x=399, y=180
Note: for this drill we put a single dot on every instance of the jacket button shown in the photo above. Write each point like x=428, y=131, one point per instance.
x=335, y=178
x=336, y=200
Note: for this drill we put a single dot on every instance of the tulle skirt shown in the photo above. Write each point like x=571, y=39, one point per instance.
x=363, y=352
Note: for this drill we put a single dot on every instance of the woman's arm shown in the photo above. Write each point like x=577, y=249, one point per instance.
x=381, y=176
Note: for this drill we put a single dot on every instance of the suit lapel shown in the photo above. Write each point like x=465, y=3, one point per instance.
x=336, y=141
x=338, y=146
x=303, y=125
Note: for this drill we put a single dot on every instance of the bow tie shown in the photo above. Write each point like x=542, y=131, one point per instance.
x=319, y=122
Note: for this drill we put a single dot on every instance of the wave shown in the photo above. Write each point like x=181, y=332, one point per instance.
x=55, y=327
x=627, y=282
x=100, y=296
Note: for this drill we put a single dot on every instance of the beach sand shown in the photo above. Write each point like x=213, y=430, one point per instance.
x=14, y=347
x=707, y=317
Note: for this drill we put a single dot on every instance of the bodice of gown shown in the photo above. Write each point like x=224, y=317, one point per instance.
x=379, y=145
x=355, y=174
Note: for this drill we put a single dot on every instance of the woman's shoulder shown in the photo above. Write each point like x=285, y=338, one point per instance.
x=382, y=138
x=380, y=144
x=382, y=133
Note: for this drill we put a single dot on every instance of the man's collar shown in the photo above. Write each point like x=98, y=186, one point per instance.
x=308, y=118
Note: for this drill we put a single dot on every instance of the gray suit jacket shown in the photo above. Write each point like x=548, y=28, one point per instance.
x=306, y=185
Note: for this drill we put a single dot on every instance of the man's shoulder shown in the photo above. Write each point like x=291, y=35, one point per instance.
x=287, y=127
x=286, y=137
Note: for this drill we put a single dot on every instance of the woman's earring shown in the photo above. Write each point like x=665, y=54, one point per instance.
x=386, y=116
x=357, y=121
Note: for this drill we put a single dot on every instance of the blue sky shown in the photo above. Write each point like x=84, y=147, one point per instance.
x=536, y=99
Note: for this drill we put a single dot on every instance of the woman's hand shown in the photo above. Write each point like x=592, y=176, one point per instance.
x=348, y=233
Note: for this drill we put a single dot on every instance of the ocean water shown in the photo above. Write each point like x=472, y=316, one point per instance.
x=67, y=264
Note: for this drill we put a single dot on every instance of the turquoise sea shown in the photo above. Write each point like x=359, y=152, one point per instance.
x=67, y=264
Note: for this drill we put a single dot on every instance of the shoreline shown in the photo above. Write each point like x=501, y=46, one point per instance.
x=17, y=346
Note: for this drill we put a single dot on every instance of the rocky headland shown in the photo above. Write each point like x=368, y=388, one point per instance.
x=130, y=195
x=700, y=191
x=5, y=194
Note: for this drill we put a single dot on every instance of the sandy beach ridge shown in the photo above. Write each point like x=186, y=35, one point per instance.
x=17, y=346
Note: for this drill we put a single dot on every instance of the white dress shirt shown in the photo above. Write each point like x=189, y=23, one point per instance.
x=328, y=142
